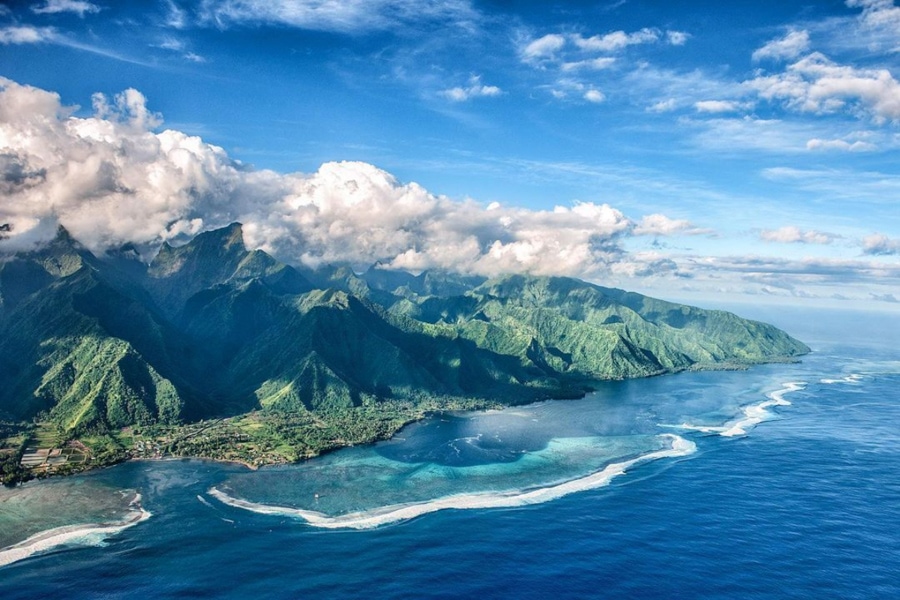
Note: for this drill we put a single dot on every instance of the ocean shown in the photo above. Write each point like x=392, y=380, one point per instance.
x=780, y=481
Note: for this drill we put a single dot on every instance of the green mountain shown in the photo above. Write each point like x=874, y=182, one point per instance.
x=210, y=329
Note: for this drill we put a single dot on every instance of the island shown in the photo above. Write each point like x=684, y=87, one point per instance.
x=215, y=351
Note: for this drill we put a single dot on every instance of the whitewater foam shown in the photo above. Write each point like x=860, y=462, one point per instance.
x=401, y=512
x=91, y=534
x=753, y=414
x=852, y=378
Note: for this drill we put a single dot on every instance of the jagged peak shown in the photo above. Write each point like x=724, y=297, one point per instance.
x=229, y=236
x=65, y=239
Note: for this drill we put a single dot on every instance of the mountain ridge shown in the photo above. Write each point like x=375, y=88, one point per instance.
x=210, y=329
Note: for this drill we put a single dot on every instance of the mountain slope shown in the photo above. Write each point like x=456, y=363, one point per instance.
x=211, y=329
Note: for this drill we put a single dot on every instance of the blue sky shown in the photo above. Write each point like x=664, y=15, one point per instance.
x=691, y=150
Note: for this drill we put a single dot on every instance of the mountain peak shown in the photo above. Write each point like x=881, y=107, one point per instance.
x=229, y=238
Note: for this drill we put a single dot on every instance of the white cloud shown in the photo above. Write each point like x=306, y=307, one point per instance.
x=661, y=225
x=719, y=106
x=789, y=47
x=793, y=235
x=677, y=38
x=816, y=84
x=594, y=96
x=170, y=43
x=616, y=40
x=475, y=89
x=877, y=13
x=553, y=47
x=543, y=48
x=568, y=88
x=330, y=15
x=879, y=244
x=593, y=64
x=25, y=34
x=840, y=145
x=176, y=17
x=80, y=7
x=663, y=106
x=111, y=179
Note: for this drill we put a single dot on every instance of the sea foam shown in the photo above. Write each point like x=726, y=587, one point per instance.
x=401, y=512
x=753, y=414
x=91, y=534
x=852, y=378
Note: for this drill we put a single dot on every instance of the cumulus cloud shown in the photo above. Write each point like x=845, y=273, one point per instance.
x=594, y=96
x=542, y=48
x=816, y=84
x=789, y=47
x=347, y=16
x=475, y=89
x=794, y=235
x=879, y=244
x=112, y=178
x=677, y=38
x=569, y=88
x=616, y=40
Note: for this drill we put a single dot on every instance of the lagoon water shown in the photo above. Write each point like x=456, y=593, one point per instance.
x=776, y=482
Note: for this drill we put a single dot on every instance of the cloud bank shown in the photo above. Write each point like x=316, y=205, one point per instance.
x=111, y=179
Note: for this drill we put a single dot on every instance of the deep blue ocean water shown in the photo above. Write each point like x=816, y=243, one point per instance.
x=804, y=504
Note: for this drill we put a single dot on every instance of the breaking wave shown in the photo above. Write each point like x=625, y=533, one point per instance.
x=90, y=534
x=401, y=512
x=753, y=415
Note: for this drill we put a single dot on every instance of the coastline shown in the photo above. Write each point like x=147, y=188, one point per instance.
x=254, y=465
x=94, y=533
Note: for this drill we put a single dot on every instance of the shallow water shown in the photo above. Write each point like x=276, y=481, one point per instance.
x=803, y=504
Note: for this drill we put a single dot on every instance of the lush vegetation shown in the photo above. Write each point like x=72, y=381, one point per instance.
x=216, y=351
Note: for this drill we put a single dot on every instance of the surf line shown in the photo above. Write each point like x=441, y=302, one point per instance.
x=754, y=414
x=679, y=446
x=85, y=534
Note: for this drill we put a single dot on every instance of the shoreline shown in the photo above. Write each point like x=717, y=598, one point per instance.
x=698, y=367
